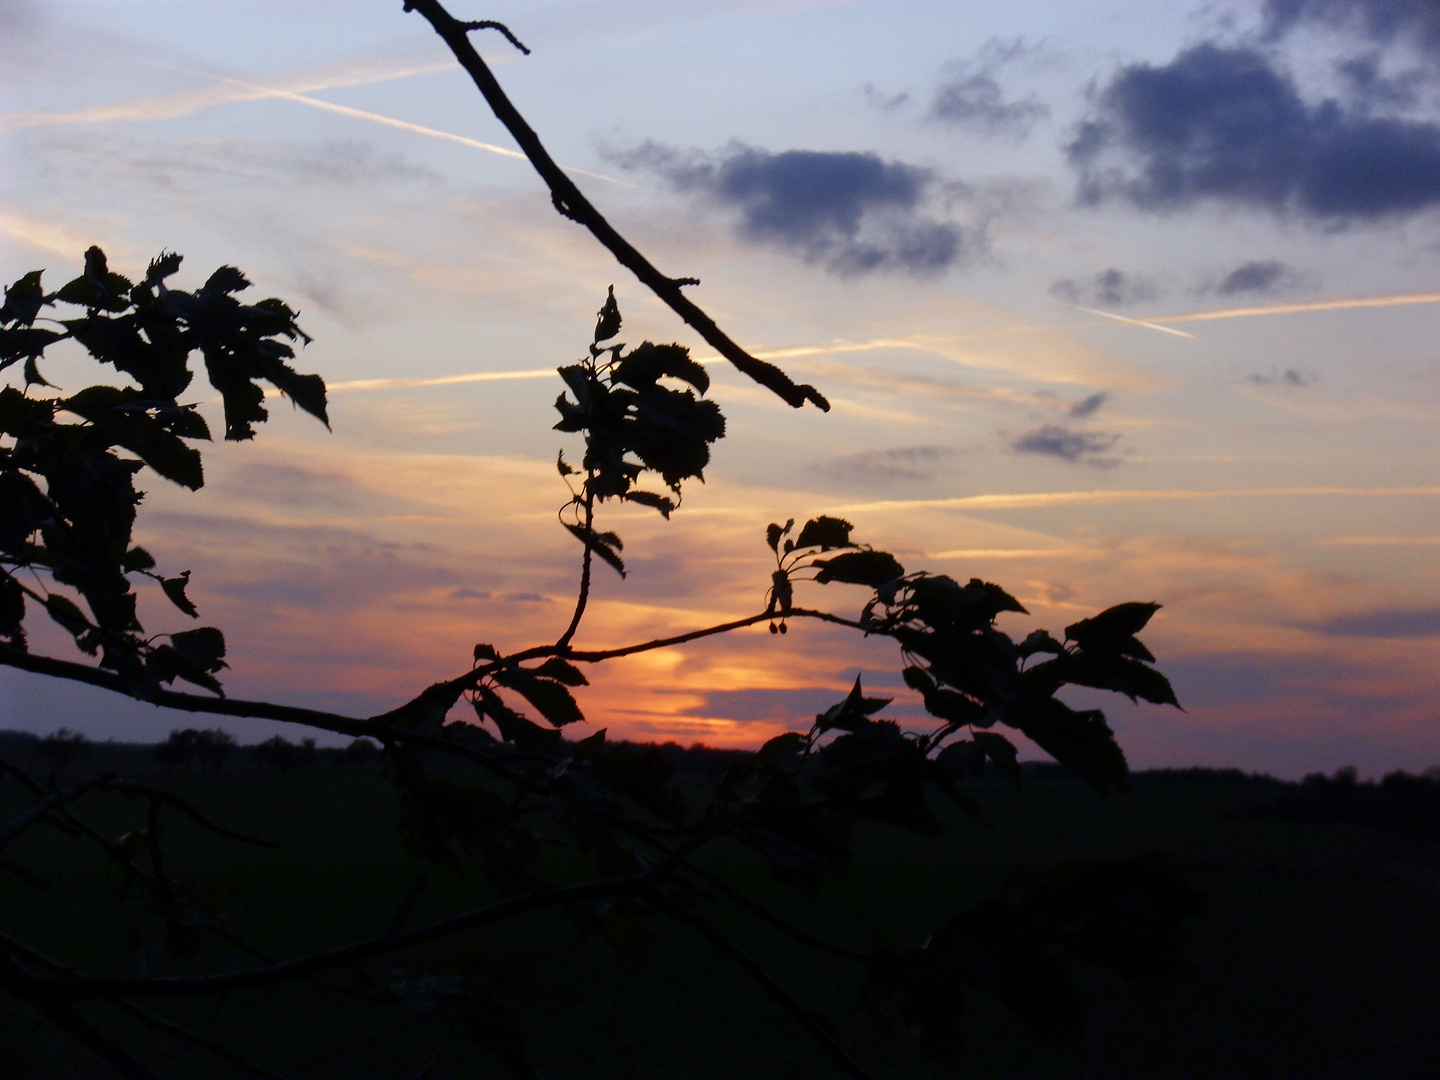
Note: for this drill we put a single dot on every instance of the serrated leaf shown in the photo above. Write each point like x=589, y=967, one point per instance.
x=646, y=498
x=782, y=748
x=175, y=589
x=63, y=610
x=825, y=533
x=551, y=698
x=603, y=544
x=872, y=568
x=562, y=671
x=607, y=320
x=1001, y=751
x=1114, y=630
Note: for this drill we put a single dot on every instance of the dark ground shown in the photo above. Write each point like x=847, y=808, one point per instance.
x=1318, y=954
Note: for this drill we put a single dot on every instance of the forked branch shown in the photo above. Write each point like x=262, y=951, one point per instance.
x=572, y=204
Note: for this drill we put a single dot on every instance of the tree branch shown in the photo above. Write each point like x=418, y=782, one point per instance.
x=96, y=987
x=572, y=204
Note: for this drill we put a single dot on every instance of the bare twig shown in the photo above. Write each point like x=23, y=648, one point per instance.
x=59, y=1012
x=94, y=986
x=194, y=1039
x=108, y=782
x=572, y=204
x=491, y=24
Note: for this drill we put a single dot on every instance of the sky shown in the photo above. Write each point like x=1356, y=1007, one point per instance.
x=1114, y=300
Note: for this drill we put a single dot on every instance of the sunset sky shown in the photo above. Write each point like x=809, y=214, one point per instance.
x=1127, y=300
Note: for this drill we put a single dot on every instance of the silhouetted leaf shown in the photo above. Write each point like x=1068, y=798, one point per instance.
x=1039, y=641
x=607, y=321
x=552, y=698
x=1001, y=751
x=175, y=589
x=825, y=533
x=1114, y=630
x=780, y=750
x=873, y=568
x=562, y=671
x=647, y=498
x=774, y=532
x=63, y=610
x=603, y=544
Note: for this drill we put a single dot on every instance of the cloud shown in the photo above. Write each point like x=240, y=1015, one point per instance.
x=1110, y=286
x=1384, y=623
x=1288, y=377
x=897, y=463
x=1088, y=406
x=852, y=213
x=1067, y=444
x=972, y=98
x=1259, y=277
x=1226, y=125
x=1381, y=21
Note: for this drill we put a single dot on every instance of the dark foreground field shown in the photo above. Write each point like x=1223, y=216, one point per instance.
x=1318, y=954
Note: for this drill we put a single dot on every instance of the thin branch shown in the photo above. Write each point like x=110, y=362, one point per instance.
x=572, y=204
x=109, y=782
x=811, y=1023
x=92, y=987
x=194, y=1039
x=595, y=656
x=585, y=567
x=35, y=993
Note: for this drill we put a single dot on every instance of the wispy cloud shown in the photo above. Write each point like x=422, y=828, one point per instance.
x=1038, y=499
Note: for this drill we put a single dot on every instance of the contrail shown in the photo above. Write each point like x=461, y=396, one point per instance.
x=1075, y=498
x=441, y=380
x=403, y=125
x=1132, y=322
x=174, y=106
x=1395, y=300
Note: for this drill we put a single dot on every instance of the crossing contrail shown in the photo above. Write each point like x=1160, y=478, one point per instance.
x=403, y=125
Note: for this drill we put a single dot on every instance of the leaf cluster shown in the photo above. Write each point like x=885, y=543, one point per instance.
x=634, y=424
x=68, y=462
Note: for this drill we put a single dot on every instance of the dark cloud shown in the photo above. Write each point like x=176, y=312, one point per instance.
x=1089, y=406
x=799, y=704
x=1381, y=21
x=853, y=213
x=1288, y=377
x=1261, y=277
x=470, y=594
x=971, y=97
x=1385, y=623
x=1368, y=85
x=878, y=99
x=898, y=463
x=1067, y=444
x=1111, y=287
x=1225, y=124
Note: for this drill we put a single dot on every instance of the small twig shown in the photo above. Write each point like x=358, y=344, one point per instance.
x=491, y=24
x=811, y=1023
x=407, y=904
x=429, y=1066
x=93, y=986
x=194, y=1039
x=60, y=1013
x=585, y=567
